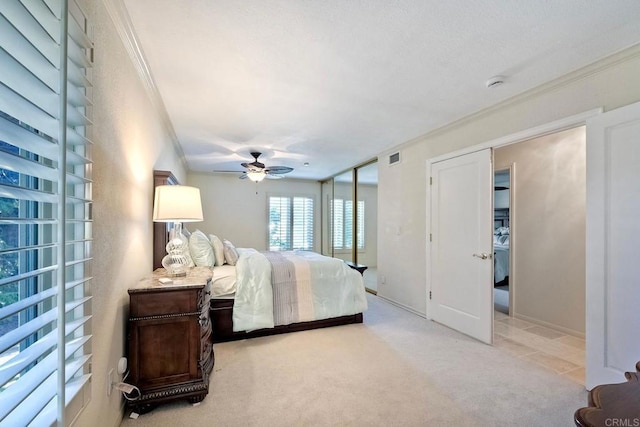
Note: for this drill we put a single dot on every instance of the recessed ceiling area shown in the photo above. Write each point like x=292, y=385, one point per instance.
x=335, y=82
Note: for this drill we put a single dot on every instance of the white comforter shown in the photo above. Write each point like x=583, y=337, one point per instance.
x=335, y=289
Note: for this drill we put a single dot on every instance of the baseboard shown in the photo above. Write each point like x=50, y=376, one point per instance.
x=402, y=306
x=550, y=325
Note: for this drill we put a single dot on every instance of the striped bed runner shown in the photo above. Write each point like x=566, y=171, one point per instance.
x=291, y=283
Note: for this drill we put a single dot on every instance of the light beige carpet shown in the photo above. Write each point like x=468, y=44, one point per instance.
x=395, y=369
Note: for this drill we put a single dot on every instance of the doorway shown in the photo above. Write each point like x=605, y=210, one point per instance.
x=544, y=236
x=501, y=239
x=545, y=233
x=552, y=268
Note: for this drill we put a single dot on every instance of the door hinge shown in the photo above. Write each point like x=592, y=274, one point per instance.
x=429, y=294
x=430, y=180
x=430, y=237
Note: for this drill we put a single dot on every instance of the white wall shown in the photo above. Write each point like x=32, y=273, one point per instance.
x=237, y=209
x=548, y=228
x=130, y=141
x=402, y=213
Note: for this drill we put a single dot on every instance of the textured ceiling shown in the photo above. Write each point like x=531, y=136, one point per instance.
x=336, y=82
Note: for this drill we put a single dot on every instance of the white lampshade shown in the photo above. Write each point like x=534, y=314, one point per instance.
x=177, y=203
x=256, y=176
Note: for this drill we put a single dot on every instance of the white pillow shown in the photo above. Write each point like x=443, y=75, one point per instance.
x=201, y=250
x=230, y=253
x=218, y=249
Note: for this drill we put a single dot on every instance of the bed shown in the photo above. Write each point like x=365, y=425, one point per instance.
x=268, y=293
x=501, y=256
x=230, y=294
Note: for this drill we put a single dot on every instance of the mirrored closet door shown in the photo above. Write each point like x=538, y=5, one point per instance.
x=341, y=207
x=350, y=220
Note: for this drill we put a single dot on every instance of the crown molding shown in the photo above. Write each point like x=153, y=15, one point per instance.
x=625, y=55
x=120, y=17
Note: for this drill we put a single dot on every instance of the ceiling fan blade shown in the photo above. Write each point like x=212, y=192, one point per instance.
x=498, y=188
x=278, y=169
x=273, y=176
x=243, y=176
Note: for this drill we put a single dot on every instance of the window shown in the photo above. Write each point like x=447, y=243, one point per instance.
x=290, y=223
x=343, y=223
x=45, y=210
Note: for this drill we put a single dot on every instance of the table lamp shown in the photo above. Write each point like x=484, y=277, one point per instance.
x=177, y=204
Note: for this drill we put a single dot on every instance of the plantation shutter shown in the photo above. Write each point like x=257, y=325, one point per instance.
x=279, y=224
x=302, y=223
x=360, y=220
x=45, y=210
x=348, y=224
x=338, y=223
x=342, y=213
x=290, y=223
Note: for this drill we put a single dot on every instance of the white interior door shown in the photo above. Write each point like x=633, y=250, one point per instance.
x=461, y=254
x=613, y=245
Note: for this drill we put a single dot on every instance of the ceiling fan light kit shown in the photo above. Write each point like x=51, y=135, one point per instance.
x=257, y=171
x=255, y=176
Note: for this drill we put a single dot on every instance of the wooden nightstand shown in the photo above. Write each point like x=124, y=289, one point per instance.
x=359, y=267
x=170, y=344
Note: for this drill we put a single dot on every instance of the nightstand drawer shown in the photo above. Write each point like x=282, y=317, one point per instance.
x=164, y=302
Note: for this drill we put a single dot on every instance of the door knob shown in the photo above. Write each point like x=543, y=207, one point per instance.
x=483, y=256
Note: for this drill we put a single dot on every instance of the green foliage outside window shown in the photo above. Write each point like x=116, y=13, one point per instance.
x=8, y=261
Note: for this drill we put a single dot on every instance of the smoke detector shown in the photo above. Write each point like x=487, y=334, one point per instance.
x=495, y=81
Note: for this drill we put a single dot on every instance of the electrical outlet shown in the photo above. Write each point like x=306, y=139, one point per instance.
x=109, y=382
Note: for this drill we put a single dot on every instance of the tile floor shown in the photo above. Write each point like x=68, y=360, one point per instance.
x=556, y=351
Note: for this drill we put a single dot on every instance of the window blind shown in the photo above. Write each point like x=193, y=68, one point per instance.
x=302, y=233
x=337, y=211
x=348, y=224
x=290, y=223
x=45, y=209
x=342, y=213
x=360, y=224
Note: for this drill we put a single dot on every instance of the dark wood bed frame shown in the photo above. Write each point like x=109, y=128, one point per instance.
x=221, y=317
x=222, y=308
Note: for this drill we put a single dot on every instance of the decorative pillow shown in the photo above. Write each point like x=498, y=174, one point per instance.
x=201, y=250
x=230, y=253
x=218, y=249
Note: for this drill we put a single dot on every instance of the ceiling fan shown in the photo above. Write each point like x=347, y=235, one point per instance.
x=257, y=171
